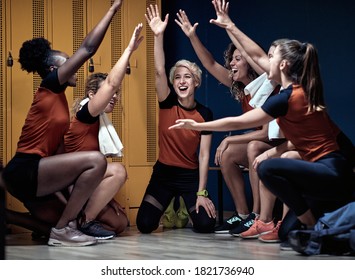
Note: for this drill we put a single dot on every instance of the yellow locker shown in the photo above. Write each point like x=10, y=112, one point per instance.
x=65, y=23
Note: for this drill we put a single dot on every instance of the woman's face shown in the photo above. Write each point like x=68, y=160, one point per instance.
x=60, y=60
x=239, y=68
x=275, y=61
x=184, y=83
x=111, y=105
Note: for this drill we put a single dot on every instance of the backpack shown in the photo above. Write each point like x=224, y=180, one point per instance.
x=333, y=234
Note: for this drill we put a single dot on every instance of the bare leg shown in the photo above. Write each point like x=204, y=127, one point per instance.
x=114, y=179
x=233, y=156
x=84, y=170
x=27, y=221
x=308, y=218
x=285, y=209
x=255, y=148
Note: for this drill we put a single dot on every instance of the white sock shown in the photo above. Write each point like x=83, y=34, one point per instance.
x=243, y=216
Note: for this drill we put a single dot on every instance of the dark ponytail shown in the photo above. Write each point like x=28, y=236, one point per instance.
x=303, y=68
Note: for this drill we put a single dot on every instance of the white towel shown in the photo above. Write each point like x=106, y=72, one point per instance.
x=259, y=90
x=109, y=142
x=274, y=131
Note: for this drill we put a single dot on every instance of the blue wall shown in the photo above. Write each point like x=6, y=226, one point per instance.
x=329, y=25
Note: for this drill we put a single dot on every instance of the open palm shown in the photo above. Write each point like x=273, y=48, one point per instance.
x=153, y=18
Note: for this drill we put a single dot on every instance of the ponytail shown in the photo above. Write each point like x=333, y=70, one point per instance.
x=304, y=70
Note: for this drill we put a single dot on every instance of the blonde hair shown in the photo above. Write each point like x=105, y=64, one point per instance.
x=191, y=66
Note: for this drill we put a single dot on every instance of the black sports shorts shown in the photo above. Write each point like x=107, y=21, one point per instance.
x=20, y=176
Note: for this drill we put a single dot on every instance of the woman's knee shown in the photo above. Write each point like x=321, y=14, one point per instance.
x=98, y=161
x=148, y=218
x=118, y=171
x=263, y=169
x=201, y=222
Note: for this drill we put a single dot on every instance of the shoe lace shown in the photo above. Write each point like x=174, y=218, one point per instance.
x=75, y=231
x=249, y=223
x=277, y=227
x=234, y=218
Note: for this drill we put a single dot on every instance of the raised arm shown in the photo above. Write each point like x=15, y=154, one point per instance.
x=221, y=8
x=89, y=45
x=250, y=119
x=114, y=79
x=158, y=27
x=253, y=50
x=206, y=58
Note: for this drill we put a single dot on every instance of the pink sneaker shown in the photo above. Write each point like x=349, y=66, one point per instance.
x=69, y=236
x=273, y=236
x=257, y=229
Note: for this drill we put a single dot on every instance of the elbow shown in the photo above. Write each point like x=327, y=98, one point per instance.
x=159, y=73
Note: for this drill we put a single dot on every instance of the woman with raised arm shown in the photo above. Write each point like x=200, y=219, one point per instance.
x=324, y=172
x=36, y=171
x=238, y=73
x=102, y=92
x=181, y=169
x=263, y=225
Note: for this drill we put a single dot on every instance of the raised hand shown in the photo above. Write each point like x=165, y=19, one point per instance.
x=117, y=5
x=223, y=19
x=184, y=23
x=136, y=40
x=153, y=18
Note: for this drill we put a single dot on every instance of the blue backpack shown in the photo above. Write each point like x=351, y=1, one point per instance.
x=333, y=234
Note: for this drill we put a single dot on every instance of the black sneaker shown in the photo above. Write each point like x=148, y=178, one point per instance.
x=229, y=224
x=95, y=229
x=244, y=226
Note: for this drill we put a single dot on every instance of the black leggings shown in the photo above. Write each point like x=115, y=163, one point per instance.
x=167, y=182
x=296, y=181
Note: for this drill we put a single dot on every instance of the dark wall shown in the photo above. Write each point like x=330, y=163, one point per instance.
x=329, y=25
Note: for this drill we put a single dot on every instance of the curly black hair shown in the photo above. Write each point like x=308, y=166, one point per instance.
x=34, y=56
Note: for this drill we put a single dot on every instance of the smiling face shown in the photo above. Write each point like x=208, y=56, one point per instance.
x=183, y=82
x=239, y=68
x=114, y=99
x=111, y=105
x=275, y=60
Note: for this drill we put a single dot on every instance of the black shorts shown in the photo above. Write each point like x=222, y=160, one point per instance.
x=20, y=176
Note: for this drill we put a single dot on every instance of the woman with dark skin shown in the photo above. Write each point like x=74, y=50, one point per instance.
x=37, y=170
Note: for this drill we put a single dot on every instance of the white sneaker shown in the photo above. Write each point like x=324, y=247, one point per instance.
x=70, y=237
